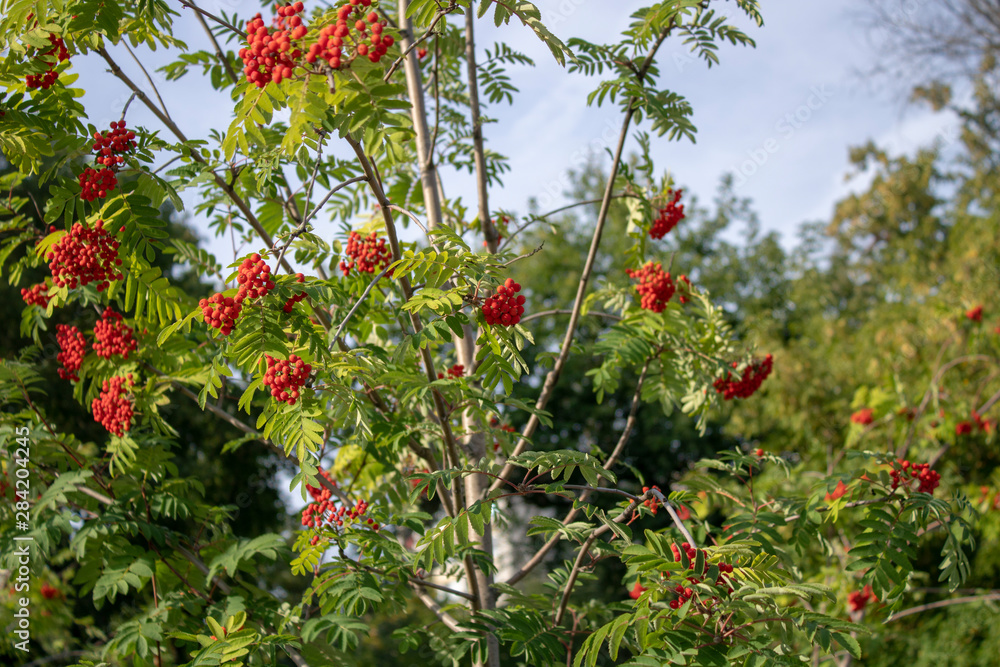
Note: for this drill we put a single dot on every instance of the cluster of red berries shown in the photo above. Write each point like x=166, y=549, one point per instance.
x=753, y=376
x=220, y=312
x=111, y=146
x=45, y=80
x=97, y=183
x=112, y=408
x=504, y=307
x=325, y=512
x=367, y=41
x=286, y=377
x=652, y=503
x=85, y=255
x=48, y=591
x=37, y=295
x=72, y=346
x=864, y=416
x=299, y=278
x=455, y=372
x=985, y=425
x=112, y=336
x=270, y=56
x=927, y=478
x=367, y=255
x=668, y=217
x=254, y=278
x=858, y=600
x=975, y=314
x=722, y=581
x=655, y=286
x=319, y=493
x=501, y=226
x=963, y=428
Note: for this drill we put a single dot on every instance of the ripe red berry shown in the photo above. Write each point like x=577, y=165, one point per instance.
x=290, y=304
x=368, y=255
x=112, y=336
x=668, y=217
x=655, y=286
x=97, y=183
x=112, y=408
x=286, y=377
x=37, y=295
x=504, y=308
x=753, y=376
x=975, y=314
x=83, y=256
x=72, y=347
x=60, y=53
x=864, y=416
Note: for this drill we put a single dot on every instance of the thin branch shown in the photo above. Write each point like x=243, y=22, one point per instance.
x=326, y=198
x=407, y=45
x=156, y=91
x=478, y=150
x=585, y=549
x=546, y=313
x=228, y=66
x=361, y=299
x=436, y=609
x=215, y=18
x=943, y=603
x=553, y=376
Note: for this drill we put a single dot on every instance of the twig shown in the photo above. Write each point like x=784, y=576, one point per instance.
x=360, y=300
x=228, y=66
x=546, y=313
x=436, y=609
x=156, y=91
x=213, y=17
x=942, y=603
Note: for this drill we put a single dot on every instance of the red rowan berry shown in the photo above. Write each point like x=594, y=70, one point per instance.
x=72, y=347
x=985, y=425
x=299, y=278
x=455, y=372
x=858, y=600
x=45, y=80
x=48, y=591
x=112, y=408
x=37, y=295
x=112, y=336
x=286, y=378
x=975, y=314
x=655, y=286
x=368, y=255
x=637, y=590
x=864, y=416
x=97, y=183
x=963, y=428
x=83, y=256
x=254, y=278
x=668, y=216
x=421, y=53
x=112, y=145
x=838, y=492
x=753, y=376
x=504, y=308
x=220, y=312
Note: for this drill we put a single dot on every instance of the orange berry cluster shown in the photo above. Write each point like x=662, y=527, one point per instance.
x=112, y=336
x=270, y=56
x=655, y=286
x=48, y=591
x=864, y=416
x=45, y=80
x=367, y=255
x=652, y=503
x=220, y=312
x=753, y=376
x=254, y=278
x=455, y=372
x=668, y=217
x=503, y=307
x=72, y=346
x=367, y=41
x=858, y=600
x=286, y=377
x=84, y=256
x=927, y=478
x=722, y=581
x=112, y=408
x=37, y=295
x=299, y=278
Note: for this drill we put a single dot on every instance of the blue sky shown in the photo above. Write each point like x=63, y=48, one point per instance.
x=781, y=116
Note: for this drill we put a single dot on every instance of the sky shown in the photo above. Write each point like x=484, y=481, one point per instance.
x=780, y=117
